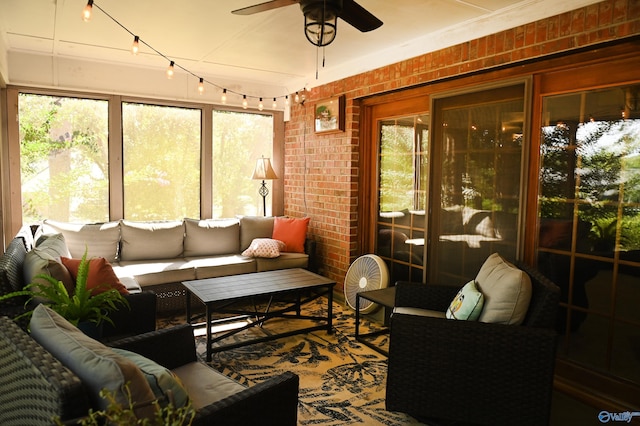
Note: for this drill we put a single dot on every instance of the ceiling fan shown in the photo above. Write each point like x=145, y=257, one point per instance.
x=320, y=17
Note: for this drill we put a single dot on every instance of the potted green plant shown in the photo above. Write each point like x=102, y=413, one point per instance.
x=79, y=308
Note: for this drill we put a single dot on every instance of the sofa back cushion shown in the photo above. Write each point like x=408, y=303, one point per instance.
x=211, y=237
x=151, y=240
x=252, y=227
x=99, y=239
x=95, y=364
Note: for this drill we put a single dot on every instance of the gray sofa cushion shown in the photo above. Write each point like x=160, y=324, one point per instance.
x=254, y=227
x=151, y=240
x=204, y=385
x=211, y=237
x=154, y=272
x=284, y=261
x=220, y=266
x=100, y=239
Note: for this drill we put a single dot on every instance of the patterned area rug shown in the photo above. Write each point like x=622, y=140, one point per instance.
x=342, y=382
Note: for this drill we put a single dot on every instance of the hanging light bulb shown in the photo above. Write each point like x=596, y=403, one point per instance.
x=223, y=98
x=286, y=100
x=244, y=102
x=86, y=12
x=297, y=98
x=274, y=105
x=170, y=70
x=201, y=86
x=260, y=105
x=135, y=47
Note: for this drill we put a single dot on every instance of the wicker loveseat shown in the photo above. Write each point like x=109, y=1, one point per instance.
x=159, y=255
x=472, y=372
x=35, y=386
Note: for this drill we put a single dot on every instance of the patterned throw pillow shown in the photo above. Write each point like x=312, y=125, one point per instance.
x=467, y=305
x=264, y=247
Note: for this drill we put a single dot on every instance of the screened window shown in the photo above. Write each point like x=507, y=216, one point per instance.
x=64, y=165
x=161, y=157
x=239, y=139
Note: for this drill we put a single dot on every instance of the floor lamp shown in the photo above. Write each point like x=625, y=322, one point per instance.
x=264, y=171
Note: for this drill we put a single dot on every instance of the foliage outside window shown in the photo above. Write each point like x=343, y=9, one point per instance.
x=239, y=139
x=63, y=158
x=161, y=156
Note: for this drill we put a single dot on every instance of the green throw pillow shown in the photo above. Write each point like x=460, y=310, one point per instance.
x=165, y=385
x=467, y=305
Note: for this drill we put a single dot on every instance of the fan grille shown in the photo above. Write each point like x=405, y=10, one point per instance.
x=368, y=272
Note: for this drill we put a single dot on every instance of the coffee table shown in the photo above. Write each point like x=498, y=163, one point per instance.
x=226, y=295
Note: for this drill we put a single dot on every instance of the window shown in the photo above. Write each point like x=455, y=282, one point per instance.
x=239, y=139
x=64, y=164
x=404, y=144
x=161, y=157
x=589, y=223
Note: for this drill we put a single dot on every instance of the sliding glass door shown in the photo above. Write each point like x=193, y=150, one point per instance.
x=476, y=185
x=403, y=182
x=589, y=223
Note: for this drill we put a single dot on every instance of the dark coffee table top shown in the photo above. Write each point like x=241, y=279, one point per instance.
x=255, y=284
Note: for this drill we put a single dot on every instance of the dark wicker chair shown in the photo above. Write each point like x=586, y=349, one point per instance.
x=35, y=386
x=472, y=372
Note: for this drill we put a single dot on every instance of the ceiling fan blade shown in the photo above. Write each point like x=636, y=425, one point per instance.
x=263, y=7
x=358, y=16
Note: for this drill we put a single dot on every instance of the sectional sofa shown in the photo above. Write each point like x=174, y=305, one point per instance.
x=158, y=256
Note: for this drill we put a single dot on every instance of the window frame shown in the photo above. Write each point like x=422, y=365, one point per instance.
x=12, y=217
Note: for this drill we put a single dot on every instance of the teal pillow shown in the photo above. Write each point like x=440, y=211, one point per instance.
x=467, y=305
x=165, y=385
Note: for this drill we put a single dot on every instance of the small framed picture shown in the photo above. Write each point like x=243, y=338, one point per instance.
x=329, y=115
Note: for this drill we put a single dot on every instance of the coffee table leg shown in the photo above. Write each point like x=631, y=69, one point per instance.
x=330, y=310
x=208, y=325
x=188, y=305
x=357, y=315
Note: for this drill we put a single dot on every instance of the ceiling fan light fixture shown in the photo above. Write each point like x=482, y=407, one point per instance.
x=320, y=22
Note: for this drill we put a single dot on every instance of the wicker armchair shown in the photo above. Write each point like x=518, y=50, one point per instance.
x=472, y=372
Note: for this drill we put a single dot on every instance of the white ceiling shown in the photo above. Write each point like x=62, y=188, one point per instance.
x=268, y=49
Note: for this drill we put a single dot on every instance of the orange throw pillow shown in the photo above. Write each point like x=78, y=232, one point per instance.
x=101, y=276
x=291, y=231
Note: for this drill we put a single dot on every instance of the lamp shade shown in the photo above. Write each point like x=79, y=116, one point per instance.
x=263, y=170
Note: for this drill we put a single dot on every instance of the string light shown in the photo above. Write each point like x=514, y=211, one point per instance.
x=135, y=47
x=170, y=70
x=274, y=105
x=86, y=12
x=297, y=98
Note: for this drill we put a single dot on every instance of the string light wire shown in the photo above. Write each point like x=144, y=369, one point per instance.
x=92, y=3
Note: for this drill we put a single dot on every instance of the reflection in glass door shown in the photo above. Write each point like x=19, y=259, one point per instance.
x=475, y=208
x=589, y=224
x=403, y=181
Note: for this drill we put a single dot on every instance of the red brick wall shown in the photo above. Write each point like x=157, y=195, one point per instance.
x=321, y=171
